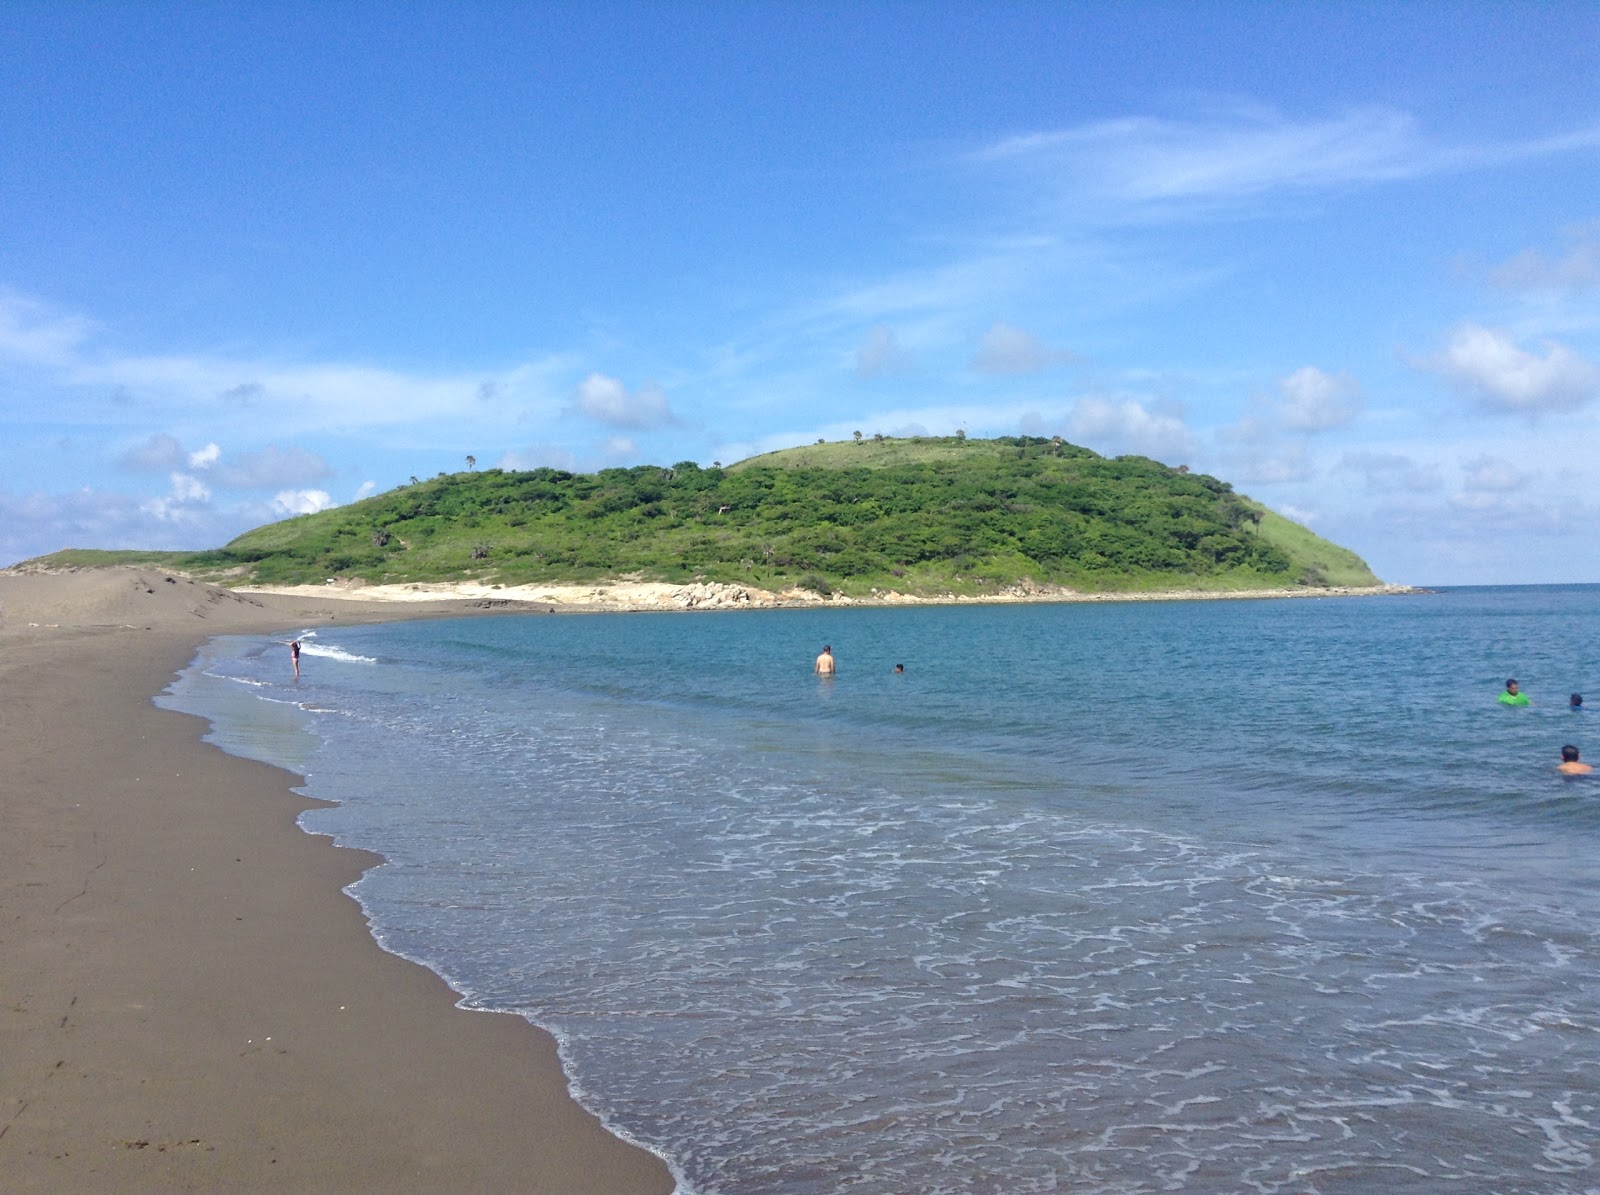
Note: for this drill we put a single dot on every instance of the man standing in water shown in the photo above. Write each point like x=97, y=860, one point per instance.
x=824, y=665
x=294, y=656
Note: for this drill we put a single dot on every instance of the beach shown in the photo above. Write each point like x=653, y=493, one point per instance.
x=894, y=932
x=190, y=1000
x=633, y=596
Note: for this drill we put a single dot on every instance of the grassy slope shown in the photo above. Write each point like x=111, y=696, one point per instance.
x=1333, y=564
x=918, y=515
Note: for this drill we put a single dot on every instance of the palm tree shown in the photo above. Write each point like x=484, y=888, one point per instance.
x=472, y=462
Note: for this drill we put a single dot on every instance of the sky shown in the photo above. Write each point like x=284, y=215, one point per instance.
x=259, y=259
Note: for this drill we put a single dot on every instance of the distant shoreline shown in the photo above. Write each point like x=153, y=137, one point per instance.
x=646, y=596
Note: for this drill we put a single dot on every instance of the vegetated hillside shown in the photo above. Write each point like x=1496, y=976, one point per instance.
x=924, y=515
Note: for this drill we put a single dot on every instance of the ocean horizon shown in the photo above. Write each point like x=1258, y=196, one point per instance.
x=1106, y=897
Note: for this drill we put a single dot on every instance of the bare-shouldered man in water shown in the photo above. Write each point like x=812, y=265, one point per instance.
x=824, y=665
x=1570, y=764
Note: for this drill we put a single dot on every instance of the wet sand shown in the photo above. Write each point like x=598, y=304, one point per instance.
x=189, y=1001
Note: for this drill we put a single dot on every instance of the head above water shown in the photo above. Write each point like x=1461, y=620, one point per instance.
x=1569, y=754
x=1577, y=700
x=1511, y=685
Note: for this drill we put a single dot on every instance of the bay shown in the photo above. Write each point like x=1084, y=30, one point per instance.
x=1121, y=897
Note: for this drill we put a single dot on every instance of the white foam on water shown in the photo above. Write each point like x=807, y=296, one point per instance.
x=332, y=652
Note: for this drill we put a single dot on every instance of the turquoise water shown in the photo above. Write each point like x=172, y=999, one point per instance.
x=1212, y=896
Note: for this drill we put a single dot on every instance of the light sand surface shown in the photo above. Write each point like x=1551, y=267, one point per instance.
x=188, y=1001
x=713, y=595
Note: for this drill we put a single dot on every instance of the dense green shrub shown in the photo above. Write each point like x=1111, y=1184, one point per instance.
x=928, y=513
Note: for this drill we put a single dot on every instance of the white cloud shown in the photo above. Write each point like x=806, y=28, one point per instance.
x=1487, y=365
x=881, y=353
x=607, y=400
x=1315, y=401
x=365, y=490
x=205, y=457
x=187, y=489
x=1009, y=349
x=34, y=524
x=188, y=502
x=619, y=448
x=1492, y=474
x=301, y=502
x=1118, y=426
x=1392, y=472
x=269, y=468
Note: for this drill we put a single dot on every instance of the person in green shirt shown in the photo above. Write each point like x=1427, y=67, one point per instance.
x=1513, y=696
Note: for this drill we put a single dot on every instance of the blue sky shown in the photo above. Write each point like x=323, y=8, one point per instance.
x=257, y=259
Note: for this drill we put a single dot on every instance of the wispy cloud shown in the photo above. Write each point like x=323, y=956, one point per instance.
x=1392, y=472
x=1492, y=474
x=1007, y=349
x=1575, y=269
x=1137, y=166
x=34, y=333
x=68, y=352
x=881, y=353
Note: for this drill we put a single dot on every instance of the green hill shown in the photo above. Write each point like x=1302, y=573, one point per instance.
x=922, y=515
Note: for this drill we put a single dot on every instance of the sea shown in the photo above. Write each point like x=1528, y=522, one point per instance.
x=1202, y=896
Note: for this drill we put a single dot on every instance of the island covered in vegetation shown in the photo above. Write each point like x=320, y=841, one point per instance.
x=917, y=516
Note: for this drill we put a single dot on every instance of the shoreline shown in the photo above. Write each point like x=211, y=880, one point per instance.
x=647, y=596
x=196, y=1002
x=193, y=1001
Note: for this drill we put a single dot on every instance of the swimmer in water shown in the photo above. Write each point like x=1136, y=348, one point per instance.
x=1576, y=704
x=1570, y=765
x=1513, y=695
x=825, y=665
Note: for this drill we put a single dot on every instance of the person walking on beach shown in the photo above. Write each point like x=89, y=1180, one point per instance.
x=1570, y=764
x=824, y=665
x=1513, y=695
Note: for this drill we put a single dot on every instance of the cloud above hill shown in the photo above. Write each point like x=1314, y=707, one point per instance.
x=1490, y=368
x=606, y=400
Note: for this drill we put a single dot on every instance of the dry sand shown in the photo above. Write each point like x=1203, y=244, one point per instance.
x=189, y=1001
